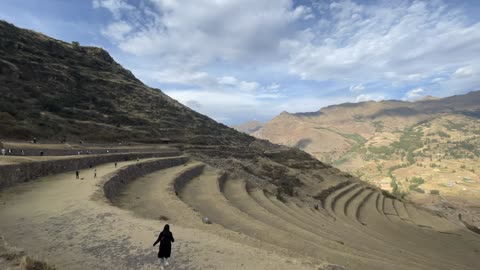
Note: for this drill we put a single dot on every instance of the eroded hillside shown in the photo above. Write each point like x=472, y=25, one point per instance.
x=409, y=148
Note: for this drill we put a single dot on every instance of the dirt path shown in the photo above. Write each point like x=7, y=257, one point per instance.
x=56, y=219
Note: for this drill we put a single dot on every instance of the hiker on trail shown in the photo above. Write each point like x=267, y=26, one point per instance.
x=23, y=153
x=115, y=164
x=166, y=239
x=77, y=174
x=3, y=152
x=95, y=173
x=9, y=152
x=34, y=140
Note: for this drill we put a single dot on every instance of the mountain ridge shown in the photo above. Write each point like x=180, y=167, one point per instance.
x=386, y=142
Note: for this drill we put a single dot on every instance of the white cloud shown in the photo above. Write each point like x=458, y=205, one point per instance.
x=117, y=30
x=390, y=46
x=273, y=86
x=463, y=72
x=358, y=87
x=228, y=80
x=414, y=93
x=248, y=86
x=369, y=97
x=404, y=41
x=180, y=77
x=196, y=32
x=114, y=6
x=234, y=107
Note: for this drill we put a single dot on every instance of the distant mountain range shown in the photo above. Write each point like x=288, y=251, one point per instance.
x=371, y=139
x=249, y=127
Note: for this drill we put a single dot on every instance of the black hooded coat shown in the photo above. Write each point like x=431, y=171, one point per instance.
x=166, y=239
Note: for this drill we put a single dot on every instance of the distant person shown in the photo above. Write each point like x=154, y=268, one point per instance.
x=115, y=164
x=95, y=173
x=9, y=152
x=34, y=140
x=77, y=174
x=3, y=152
x=166, y=239
x=23, y=153
x=41, y=153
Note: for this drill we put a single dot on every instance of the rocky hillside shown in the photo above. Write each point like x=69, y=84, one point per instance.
x=332, y=131
x=57, y=91
x=54, y=90
x=389, y=143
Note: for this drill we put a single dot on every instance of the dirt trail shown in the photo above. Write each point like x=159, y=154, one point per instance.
x=56, y=218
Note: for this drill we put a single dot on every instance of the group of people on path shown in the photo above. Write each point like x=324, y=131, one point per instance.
x=77, y=174
x=5, y=152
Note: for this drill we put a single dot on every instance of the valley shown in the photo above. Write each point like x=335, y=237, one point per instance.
x=426, y=151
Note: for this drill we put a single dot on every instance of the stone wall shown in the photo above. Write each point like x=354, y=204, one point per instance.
x=221, y=180
x=119, y=179
x=73, y=151
x=187, y=175
x=12, y=174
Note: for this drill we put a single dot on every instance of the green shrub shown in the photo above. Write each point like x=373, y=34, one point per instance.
x=416, y=189
x=32, y=264
x=443, y=134
x=417, y=180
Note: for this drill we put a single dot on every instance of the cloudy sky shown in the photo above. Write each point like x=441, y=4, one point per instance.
x=239, y=60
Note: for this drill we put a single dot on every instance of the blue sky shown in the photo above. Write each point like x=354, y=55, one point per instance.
x=252, y=59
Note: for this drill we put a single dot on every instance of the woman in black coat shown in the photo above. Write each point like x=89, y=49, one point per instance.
x=166, y=239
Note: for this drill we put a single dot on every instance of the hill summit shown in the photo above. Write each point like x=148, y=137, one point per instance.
x=56, y=90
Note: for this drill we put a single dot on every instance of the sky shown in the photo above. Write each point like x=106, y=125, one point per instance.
x=241, y=60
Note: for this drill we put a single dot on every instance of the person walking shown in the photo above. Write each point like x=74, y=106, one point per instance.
x=165, y=249
x=77, y=174
x=3, y=151
x=115, y=164
x=95, y=173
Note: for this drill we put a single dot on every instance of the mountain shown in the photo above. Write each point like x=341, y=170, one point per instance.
x=248, y=127
x=56, y=91
x=53, y=89
x=389, y=142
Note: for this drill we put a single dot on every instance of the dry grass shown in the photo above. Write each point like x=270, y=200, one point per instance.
x=32, y=264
